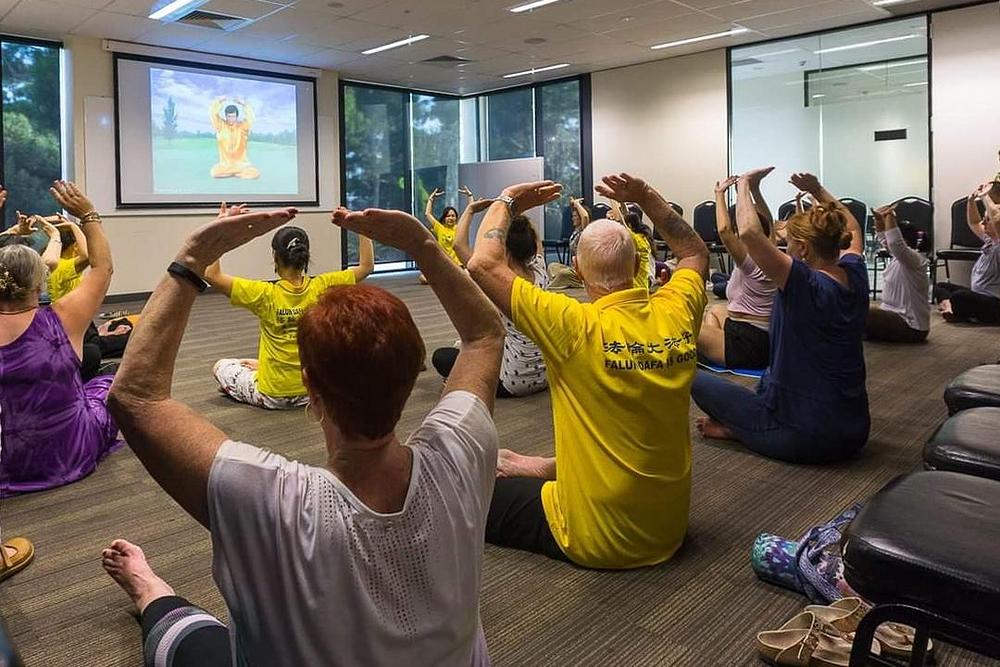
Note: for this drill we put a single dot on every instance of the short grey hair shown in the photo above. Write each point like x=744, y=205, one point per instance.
x=606, y=254
x=22, y=272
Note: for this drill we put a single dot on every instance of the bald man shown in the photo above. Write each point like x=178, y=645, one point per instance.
x=620, y=368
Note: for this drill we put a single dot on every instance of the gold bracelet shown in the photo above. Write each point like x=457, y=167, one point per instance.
x=90, y=216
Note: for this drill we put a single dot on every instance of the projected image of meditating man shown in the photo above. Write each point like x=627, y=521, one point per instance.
x=221, y=135
x=232, y=134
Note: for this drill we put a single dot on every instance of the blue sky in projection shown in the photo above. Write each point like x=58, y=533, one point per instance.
x=193, y=94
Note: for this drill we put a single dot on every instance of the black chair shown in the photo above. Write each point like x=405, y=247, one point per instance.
x=975, y=388
x=786, y=210
x=704, y=225
x=561, y=245
x=923, y=551
x=967, y=443
x=964, y=244
x=599, y=211
x=660, y=246
x=915, y=218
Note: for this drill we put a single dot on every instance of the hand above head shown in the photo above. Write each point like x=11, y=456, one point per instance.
x=435, y=194
x=464, y=190
x=527, y=196
x=884, y=216
x=47, y=227
x=805, y=182
x=214, y=239
x=392, y=228
x=23, y=226
x=236, y=209
x=623, y=188
x=755, y=176
x=71, y=198
x=722, y=186
x=479, y=205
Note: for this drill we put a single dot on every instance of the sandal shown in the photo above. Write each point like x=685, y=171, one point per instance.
x=24, y=552
x=805, y=641
x=845, y=615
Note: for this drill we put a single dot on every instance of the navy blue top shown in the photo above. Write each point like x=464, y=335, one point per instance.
x=816, y=382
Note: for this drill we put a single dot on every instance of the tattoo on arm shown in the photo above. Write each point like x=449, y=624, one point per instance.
x=498, y=234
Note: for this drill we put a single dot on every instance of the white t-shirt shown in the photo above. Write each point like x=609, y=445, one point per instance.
x=522, y=369
x=906, y=283
x=312, y=576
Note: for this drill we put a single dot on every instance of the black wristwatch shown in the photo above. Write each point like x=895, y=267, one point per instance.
x=187, y=274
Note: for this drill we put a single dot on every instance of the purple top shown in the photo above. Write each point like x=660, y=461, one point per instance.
x=749, y=291
x=53, y=428
x=986, y=270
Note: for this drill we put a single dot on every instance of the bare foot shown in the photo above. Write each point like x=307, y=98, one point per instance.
x=126, y=564
x=512, y=464
x=709, y=428
x=944, y=307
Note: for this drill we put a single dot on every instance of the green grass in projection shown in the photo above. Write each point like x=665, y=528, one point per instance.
x=183, y=165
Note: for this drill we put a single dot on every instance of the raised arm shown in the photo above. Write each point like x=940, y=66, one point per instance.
x=727, y=234
x=681, y=238
x=488, y=265
x=248, y=114
x=219, y=280
x=429, y=208
x=462, y=247
x=810, y=184
x=760, y=204
x=477, y=369
x=174, y=443
x=581, y=210
x=213, y=113
x=992, y=220
x=53, y=251
x=366, y=259
x=76, y=310
x=82, y=259
x=885, y=222
x=775, y=264
x=972, y=216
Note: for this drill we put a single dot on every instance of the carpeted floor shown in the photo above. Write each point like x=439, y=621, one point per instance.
x=702, y=608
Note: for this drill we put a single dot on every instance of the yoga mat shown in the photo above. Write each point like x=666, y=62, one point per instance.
x=742, y=372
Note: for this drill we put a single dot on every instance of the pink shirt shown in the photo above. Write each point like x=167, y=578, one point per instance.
x=749, y=291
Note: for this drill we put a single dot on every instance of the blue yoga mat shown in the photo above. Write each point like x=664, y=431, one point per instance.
x=742, y=372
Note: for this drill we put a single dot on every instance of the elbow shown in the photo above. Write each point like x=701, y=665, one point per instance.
x=479, y=266
x=123, y=404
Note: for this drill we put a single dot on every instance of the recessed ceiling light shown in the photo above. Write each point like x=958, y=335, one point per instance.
x=528, y=6
x=861, y=45
x=918, y=83
x=692, y=40
x=172, y=7
x=403, y=42
x=536, y=70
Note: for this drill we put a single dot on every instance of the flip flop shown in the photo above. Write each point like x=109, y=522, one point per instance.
x=24, y=552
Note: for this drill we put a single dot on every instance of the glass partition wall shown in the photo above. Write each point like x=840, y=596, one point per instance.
x=850, y=106
x=399, y=145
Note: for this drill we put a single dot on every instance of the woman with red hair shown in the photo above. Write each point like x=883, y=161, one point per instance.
x=374, y=558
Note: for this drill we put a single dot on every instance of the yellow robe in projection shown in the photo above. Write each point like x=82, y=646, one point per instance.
x=232, y=139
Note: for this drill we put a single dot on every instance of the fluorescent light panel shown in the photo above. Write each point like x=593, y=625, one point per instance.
x=692, y=40
x=918, y=83
x=903, y=63
x=172, y=7
x=413, y=39
x=528, y=6
x=536, y=70
x=861, y=45
x=882, y=3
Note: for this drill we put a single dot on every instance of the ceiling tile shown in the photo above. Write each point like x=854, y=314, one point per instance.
x=88, y=4
x=43, y=16
x=627, y=18
x=132, y=7
x=751, y=8
x=328, y=59
x=178, y=36
x=648, y=33
x=340, y=8
x=346, y=34
x=108, y=25
x=815, y=15
x=248, y=9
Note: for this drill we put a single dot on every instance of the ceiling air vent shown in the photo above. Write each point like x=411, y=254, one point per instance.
x=445, y=61
x=213, y=20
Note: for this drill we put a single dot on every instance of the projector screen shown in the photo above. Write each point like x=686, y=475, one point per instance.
x=195, y=136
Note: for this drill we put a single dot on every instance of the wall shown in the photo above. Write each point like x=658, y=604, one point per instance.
x=965, y=105
x=144, y=242
x=665, y=121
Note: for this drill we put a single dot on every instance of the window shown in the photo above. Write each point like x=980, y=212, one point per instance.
x=559, y=104
x=850, y=106
x=376, y=157
x=510, y=122
x=436, y=144
x=32, y=126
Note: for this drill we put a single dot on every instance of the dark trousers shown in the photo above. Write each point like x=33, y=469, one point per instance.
x=969, y=305
x=205, y=646
x=92, y=356
x=889, y=327
x=720, y=281
x=517, y=518
x=443, y=361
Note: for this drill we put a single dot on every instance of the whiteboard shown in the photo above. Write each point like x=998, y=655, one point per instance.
x=488, y=179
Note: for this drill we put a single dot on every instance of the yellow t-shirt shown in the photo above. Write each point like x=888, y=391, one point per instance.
x=620, y=372
x=63, y=279
x=645, y=252
x=445, y=236
x=279, y=305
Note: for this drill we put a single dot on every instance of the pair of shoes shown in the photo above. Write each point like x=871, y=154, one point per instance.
x=24, y=552
x=807, y=641
x=845, y=615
